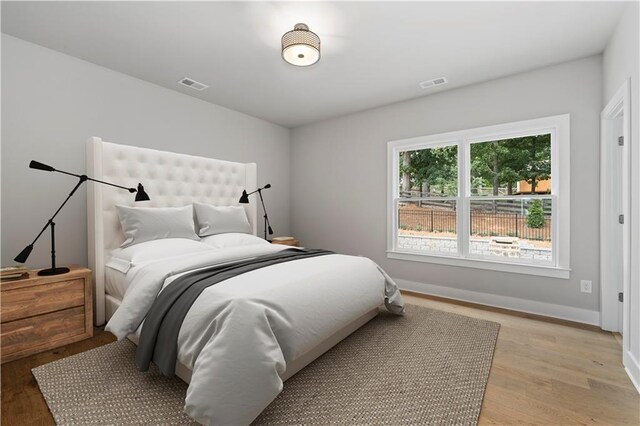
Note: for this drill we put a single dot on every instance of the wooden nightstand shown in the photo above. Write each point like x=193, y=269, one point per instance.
x=42, y=313
x=287, y=241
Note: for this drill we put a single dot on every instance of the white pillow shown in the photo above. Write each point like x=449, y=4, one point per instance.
x=141, y=224
x=232, y=240
x=213, y=220
x=124, y=258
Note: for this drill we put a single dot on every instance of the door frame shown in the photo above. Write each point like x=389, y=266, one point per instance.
x=617, y=106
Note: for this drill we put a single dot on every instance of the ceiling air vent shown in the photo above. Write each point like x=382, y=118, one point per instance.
x=434, y=82
x=192, y=84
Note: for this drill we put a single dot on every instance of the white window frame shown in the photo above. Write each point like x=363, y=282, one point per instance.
x=559, y=128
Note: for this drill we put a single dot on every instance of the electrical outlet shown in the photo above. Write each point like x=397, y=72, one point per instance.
x=585, y=286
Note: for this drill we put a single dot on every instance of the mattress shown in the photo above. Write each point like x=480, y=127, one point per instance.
x=115, y=283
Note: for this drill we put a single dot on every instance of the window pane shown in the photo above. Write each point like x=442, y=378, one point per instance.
x=430, y=172
x=517, y=166
x=428, y=226
x=512, y=228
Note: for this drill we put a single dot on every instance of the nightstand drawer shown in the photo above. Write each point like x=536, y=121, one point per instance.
x=29, y=301
x=41, y=332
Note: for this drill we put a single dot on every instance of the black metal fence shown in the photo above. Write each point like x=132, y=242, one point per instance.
x=482, y=224
x=508, y=206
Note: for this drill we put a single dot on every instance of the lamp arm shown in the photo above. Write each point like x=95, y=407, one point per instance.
x=259, y=190
x=67, y=173
x=112, y=184
x=85, y=177
x=81, y=180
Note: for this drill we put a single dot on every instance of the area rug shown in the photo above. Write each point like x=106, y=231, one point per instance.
x=428, y=367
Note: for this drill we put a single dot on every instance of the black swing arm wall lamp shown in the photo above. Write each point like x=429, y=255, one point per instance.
x=141, y=195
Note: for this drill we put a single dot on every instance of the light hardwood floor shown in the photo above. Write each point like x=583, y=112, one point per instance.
x=544, y=372
x=551, y=372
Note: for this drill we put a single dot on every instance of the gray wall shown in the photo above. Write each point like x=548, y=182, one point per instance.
x=51, y=103
x=620, y=62
x=339, y=177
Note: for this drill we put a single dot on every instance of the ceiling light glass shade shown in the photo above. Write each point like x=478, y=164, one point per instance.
x=301, y=47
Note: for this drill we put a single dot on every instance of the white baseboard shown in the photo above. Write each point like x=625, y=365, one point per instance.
x=570, y=313
x=632, y=367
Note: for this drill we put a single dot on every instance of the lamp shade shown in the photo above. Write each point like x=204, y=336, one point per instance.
x=301, y=47
x=244, y=198
x=140, y=194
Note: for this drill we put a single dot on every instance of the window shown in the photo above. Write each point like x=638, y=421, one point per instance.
x=495, y=197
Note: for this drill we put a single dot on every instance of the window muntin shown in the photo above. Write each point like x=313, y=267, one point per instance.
x=545, y=244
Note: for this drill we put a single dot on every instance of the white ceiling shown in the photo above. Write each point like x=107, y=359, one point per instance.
x=372, y=53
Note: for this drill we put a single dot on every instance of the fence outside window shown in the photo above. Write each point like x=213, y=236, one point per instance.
x=482, y=224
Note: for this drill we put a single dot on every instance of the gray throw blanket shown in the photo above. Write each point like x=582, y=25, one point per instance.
x=159, y=335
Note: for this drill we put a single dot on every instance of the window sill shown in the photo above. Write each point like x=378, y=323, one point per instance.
x=516, y=268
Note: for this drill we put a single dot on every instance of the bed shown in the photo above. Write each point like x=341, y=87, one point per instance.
x=174, y=180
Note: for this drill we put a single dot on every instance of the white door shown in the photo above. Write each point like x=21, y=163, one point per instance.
x=617, y=241
x=614, y=213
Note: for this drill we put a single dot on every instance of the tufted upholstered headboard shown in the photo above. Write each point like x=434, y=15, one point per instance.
x=170, y=179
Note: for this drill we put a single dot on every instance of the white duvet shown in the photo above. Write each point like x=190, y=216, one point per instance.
x=239, y=334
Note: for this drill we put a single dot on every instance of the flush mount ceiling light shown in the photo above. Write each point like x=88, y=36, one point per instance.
x=301, y=47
